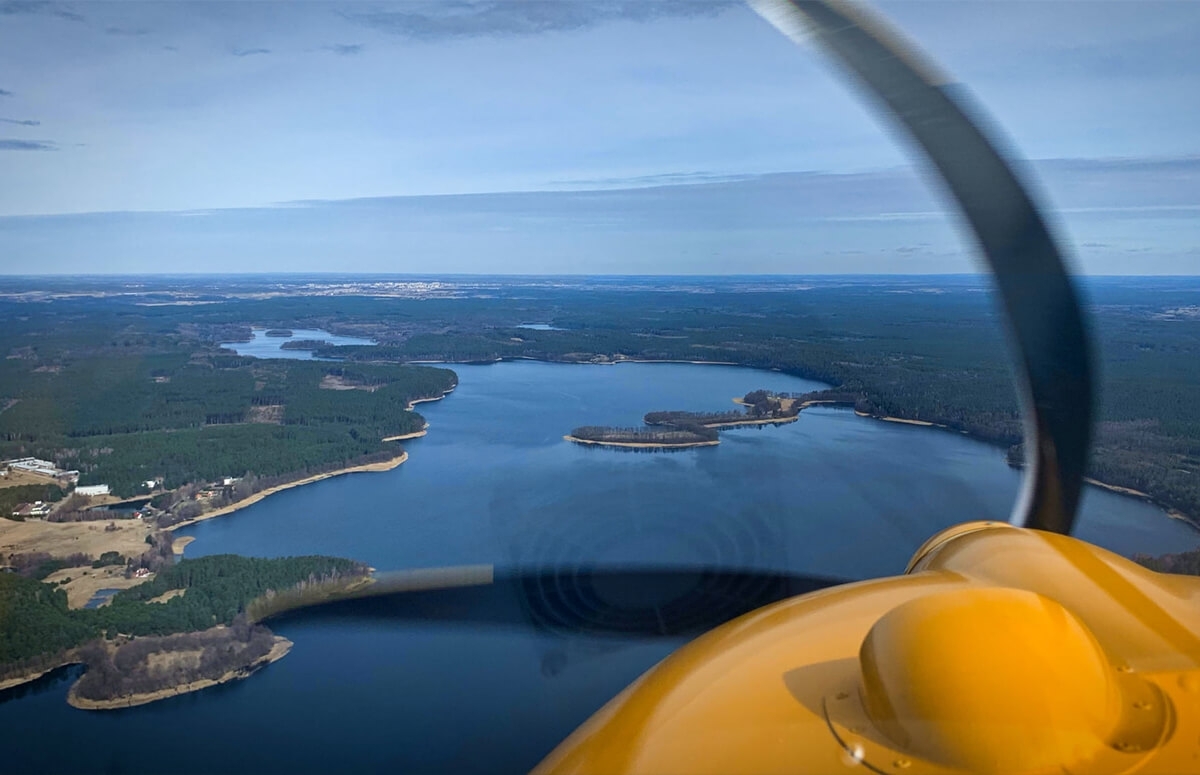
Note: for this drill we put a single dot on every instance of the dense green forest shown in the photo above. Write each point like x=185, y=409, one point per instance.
x=35, y=620
x=919, y=348
x=199, y=416
x=933, y=354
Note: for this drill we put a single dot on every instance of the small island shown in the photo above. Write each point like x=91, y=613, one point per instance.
x=677, y=430
x=279, y=333
x=304, y=344
x=676, y=437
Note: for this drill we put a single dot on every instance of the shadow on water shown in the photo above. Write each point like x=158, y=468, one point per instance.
x=54, y=681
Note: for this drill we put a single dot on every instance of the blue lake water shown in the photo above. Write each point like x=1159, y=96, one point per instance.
x=263, y=346
x=494, y=482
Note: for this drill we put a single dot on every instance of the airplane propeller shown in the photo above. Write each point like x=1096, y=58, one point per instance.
x=1051, y=357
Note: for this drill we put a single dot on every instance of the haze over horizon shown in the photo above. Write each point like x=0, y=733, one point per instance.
x=565, y=138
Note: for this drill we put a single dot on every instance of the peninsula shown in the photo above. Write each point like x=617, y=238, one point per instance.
x=186, y=433
x=186, y=629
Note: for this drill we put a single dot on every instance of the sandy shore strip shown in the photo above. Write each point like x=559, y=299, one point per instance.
x=416, y=401
x=1132, y=493
x=693, y=363
x=1179, y=515
x=901, y=420
x=641, y=445
x=278, y=651
x=386, y=465
x=1115, y=488
x=406, y=436
x=179, y=544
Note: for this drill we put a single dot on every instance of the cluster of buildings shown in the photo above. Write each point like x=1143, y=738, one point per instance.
x=33, y=465
x=215, y=489
x=35, y=509
x=49, y=470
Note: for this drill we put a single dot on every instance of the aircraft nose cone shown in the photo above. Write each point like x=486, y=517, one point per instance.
x=990, y=680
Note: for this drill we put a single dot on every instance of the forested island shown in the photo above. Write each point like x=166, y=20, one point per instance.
x=189, y=627
x=678, y=430
x=644, y=438
x=304, y=344
x=278, y=333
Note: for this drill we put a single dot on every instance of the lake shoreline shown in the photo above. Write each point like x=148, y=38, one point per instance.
x=20, y=680
x=413, y=402
x=748, y=423
x=368, y=467
x=1170, y=512
x=1129, y=492
x=407, y=436
x=386, y=465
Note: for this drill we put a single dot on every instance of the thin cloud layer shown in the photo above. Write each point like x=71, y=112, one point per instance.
x=27, y=145
x=15, y=7
x=617, y=132
x=442, y=21
x=344, y=49
x=799, y=222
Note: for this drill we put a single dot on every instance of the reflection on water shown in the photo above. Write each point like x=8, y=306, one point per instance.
x=55, y=683
x=494, y=482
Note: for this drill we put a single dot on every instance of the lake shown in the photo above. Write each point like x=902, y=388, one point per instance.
x=263, y=346
x=494, y=482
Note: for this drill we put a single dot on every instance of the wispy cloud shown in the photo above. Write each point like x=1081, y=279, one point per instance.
x=15, y=7
x=249, y=52
x=523, y=17
x=27, y=145
x=20, y=122
x=344, y=49
x=640, y=181
x=5, y=93
x=128, y=31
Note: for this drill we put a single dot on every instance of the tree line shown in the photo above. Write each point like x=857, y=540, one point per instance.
x=35, y=620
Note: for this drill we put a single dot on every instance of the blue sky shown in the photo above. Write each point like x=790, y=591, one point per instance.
x=564, y=137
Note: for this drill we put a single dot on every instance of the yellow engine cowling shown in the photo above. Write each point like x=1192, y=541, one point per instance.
x=1001, y=650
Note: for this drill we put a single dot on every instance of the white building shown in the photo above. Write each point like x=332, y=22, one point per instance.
x=34, y=465
x=92, y=489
